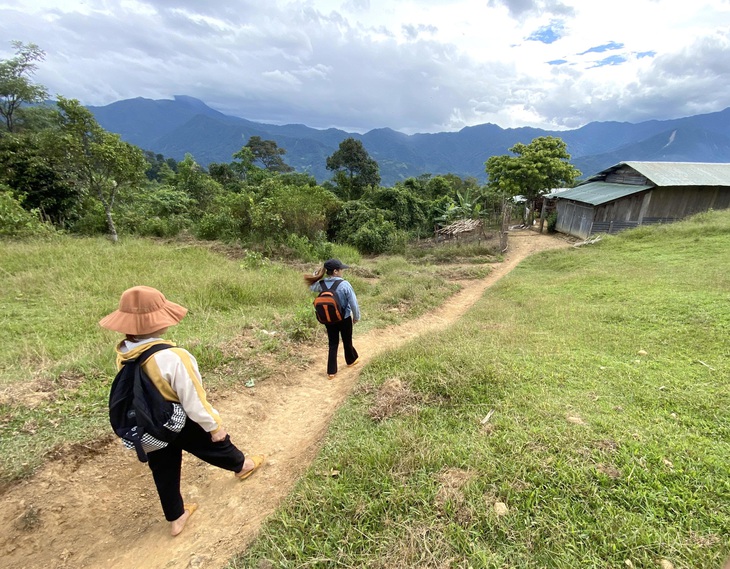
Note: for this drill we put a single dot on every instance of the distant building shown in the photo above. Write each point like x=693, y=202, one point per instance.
x=630, y=194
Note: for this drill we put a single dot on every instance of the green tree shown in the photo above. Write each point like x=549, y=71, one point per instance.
x=282, y=209
x=97, y=161
x=403, y=207
x=16, y=87
x=354, y=169
x=536, y=168
x=268, y=153
x=36, y=178
x=192, y=179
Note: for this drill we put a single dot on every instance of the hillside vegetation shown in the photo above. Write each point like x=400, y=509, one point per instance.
x=577, y=417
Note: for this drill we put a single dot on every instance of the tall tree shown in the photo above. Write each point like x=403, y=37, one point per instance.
x=16, y=87
x=354, y=169
x=192, y=179
x=536, y=168
x=243, y=163
x=268, y=153
x=36, y=177
x=97, y=160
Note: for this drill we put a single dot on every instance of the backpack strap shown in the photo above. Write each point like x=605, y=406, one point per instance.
x=332, y=288
x=144, y=356
x=135, y=435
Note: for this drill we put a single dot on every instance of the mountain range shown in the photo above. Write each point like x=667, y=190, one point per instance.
x=175, y=127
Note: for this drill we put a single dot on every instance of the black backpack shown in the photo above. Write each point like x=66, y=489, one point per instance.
x=138, y=412
x=326, y=307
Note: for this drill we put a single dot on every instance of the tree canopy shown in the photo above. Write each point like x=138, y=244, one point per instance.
x=268, y=153
x=98, y=161
x=16, y=87
x=354, y=169
x=536, y=168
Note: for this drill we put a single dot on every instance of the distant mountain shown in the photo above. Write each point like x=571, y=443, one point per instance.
x=187, y=125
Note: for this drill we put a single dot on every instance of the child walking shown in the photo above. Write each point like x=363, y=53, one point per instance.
x=346, y=298
x=143, y=316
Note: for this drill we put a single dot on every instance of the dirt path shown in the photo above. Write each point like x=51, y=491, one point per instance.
x=104, y=512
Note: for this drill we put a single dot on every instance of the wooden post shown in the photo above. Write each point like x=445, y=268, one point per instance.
x=542, y=213
x=503, y=228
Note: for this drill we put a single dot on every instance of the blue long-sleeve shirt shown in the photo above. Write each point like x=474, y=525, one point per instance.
x=345, y=296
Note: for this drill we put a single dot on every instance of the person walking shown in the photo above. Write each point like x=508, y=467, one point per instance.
x=143, y=316
x=325, y=278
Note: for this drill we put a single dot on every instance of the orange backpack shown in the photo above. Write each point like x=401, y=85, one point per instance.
x=326, y=307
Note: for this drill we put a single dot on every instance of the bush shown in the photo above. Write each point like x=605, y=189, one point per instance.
x=373, y=237
x=162, y=227
x=17, y=222
x=282, y=210
x=217, y=226
x=552, y=221
x=302, y=325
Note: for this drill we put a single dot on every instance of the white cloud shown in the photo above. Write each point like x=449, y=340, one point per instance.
x=412, y=65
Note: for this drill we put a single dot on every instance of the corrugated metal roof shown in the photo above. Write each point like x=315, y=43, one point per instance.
x=597, y=193
x=678, y=173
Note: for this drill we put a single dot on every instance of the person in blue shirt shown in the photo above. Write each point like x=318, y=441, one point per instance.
x=328, y=274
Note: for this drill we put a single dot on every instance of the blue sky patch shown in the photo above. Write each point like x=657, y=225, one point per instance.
x=548, y=34
x=557, y=62
x=643, y=54
x=605, y=47
x=611, y=60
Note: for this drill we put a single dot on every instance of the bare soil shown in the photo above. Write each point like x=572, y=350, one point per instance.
x=96, y=506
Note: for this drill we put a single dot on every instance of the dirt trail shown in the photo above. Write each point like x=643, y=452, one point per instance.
x=104, y=512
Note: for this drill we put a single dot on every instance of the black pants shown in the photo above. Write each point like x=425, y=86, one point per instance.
x=334, y=331
x=166, y=464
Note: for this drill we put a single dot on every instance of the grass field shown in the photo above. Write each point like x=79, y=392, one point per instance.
x=576, y=418
x=56, y=363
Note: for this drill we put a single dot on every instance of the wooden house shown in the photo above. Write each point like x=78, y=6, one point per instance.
x=630, y=194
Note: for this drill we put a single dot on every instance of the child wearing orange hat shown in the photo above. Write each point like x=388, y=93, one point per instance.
x=143, y=316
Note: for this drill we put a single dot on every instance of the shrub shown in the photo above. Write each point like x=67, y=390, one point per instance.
x=552, y=221
x=302, y=325
x=17, y=222
x=373, y=237
x=216, y=226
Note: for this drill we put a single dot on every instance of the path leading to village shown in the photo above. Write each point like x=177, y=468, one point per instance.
x=101, y=510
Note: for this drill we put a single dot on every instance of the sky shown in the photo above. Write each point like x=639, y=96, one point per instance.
x=413, y=66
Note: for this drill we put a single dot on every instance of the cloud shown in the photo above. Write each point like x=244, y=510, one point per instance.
x=362, y=64
x=690, y=81
x=520, y=8
x=412, y=32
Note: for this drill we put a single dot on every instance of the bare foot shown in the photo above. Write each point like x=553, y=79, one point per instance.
x=249, y=465
x=178, y=525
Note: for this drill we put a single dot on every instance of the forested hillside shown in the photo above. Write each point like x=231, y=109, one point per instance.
x=187, y=125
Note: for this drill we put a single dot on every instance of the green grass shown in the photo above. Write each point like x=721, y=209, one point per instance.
x=607, y=371
x=56, y=363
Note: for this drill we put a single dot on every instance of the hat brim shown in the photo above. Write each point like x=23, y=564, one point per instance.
x=136, y=324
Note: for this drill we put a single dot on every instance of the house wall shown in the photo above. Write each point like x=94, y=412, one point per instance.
x=574, y=218
x=627, y=175
x=673, y=203
x=628, y=208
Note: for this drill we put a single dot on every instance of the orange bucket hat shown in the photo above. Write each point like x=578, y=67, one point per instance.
x=143, y=310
